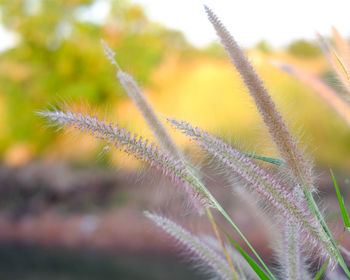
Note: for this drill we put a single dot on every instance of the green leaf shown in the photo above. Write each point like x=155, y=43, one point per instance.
x=342, y=65
x=341, y=203
x=319, y=274
x=261, y=273
x=267, y=159
x=316, y=212
x=218, y=206
x=327, y=231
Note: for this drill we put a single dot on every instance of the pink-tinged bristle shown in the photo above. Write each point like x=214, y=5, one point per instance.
x=133, y=145
x=269, y=187
x=299, y=166
x=135, y=94
x=194, y=245
x=293, y=266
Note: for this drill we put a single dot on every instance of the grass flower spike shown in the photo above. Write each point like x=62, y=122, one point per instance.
x=298, y=226
x=338, y=58
x=343, y=48
x=274, y=191
x=201, y=251
x=292, y=265
x=145, y=108
x=133, y=145
x=327, y=93
x=169, y=147
x=297, y=163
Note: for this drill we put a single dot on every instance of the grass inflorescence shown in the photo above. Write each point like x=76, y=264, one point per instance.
x=304, y=236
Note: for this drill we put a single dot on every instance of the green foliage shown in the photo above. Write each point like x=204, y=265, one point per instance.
x=264, y=46
x=343, y=210
x=304, y=49
x=261, y=273
x=58, y=58
x=214, y=49
x=320, y=272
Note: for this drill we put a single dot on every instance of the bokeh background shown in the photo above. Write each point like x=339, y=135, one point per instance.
x=70, y=207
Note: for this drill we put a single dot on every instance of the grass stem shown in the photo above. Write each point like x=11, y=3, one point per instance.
x=224, y=250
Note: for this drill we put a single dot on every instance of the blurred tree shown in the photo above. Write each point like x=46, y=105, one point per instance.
x=59, y=57
x=214, y=49
x=304, y=49
x=264, y=46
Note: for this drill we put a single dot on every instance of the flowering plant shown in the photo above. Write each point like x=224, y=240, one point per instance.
x=298, y=219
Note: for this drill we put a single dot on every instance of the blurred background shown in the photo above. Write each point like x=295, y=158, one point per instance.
x=72, y=209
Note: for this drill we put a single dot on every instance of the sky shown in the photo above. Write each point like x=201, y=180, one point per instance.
x=250, y=21
x=7, y=39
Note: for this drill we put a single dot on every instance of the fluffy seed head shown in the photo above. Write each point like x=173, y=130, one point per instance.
x=293, y=266
x=133, y=145
x=135, y=93
x=299, y=166
x=267, y=186
x=202, y=252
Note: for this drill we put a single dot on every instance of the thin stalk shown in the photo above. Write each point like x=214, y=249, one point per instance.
x=138, y=98
x=317, y=213
x=217, y=233
x=218, y=206
x=168, y=145
x=267, y=186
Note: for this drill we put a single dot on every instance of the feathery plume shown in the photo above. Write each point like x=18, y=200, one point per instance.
x=335, y=275
x=292, y=259
x=293, y=267
x=342, y=46
x=110, y=54
x=168, y=145
x=299, y=166
x=338, y=65
x=261, y=218
x=202, y=252
x=274, y=191
x=328, y=94
x=145, y=108
x=165, y=141
x=133, y=145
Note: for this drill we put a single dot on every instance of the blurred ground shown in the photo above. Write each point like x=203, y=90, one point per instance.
x=26, y=262
x=84, y=221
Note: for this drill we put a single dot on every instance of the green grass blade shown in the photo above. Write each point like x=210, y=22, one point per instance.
x=267, y=159
x=261, y=273
x=319, y=274
x=223, y=212
x=344, y=213
x=342, y=65
x=218, y=206
x=317, y=213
